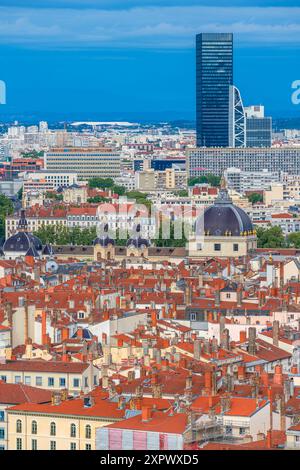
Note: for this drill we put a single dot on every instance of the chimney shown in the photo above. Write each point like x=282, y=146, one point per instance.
x=225, y=340
x=26, y=327
x=197, y=350
x=147, y=360
x=189, y=382
x=200, y=279
x=28, y=351
x=241, y=372
x=264, y=378
x=214, y=345
x=281, y=274
x=56, y=398
x=278, y=377
x=251, y=341
x=239, y=294
x=225, y=403
x=131, y=376
x=146, y=414
x=276, y=333
x=65, y=334
x=208, y=382
x=188, y=295
x=269, y=439
x=243, y=336
x=217, y=298
x=222, y=325
x=154, y=318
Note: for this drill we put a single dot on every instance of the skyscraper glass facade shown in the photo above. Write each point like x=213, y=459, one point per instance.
x=214, y=75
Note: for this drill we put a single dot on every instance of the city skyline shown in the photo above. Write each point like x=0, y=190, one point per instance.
x=138, y=58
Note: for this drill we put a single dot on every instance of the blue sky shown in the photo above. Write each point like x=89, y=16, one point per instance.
x=135, y=57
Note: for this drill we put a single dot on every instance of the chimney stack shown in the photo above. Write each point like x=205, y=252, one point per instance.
x=251, y=341
x=276, y=333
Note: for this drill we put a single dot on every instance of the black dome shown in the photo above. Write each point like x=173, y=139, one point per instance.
x=104, y=241
x=138, y=242
x=21, y=242
x=224, y=219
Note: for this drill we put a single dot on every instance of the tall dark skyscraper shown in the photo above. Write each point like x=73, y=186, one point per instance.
x=214, y=75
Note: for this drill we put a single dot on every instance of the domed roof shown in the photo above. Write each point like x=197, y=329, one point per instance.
x=22, y=241
x=223, y=218
x=104, y=240
x=137, y=241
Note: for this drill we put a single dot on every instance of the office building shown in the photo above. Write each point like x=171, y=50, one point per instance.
x=87, y=162
x=169, y=179
x=202, y=161
x=258, y=127
x=49, y=179
x=242, y=181
x=214, y=76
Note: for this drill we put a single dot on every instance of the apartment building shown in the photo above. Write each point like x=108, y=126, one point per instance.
x=77, y=377
x=202, y=160
x=54, y=179
x=61, y=425
x=242, y=181
x=169, y=179
x=15, y=394
x=87, y=162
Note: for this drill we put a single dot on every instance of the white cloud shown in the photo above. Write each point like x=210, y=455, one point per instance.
x=158, y=27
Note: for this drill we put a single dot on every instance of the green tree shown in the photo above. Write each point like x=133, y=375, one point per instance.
x=182, y=193
x=20, y=194
x=270, y=237
x=293, y=240
x=97, y=199
x=6, y=208
x=102, y=183
x=211, y=179
x=118, y=189
x=254, y=198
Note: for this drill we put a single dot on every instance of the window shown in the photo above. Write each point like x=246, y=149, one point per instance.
x=52, y=445
x=217, y=246
x=228, y=430
x=33, y=444
x=76, y=383
x=19, y=443
x=242, y=431
x=86, y=382
x=73, y=446
x=73, y=430
x=2, y=433
x=27, y=380
x=3, y=378
x=34, y=427
x=50, y=382
x=38, y=381
x=19, y=425
x=52, y=429
x=88, y=447
x=62, y=382
x=235, y=247
x=193, y=317
x=88, y=432
x=95, y=379
x=17, y=379
x=1, y=415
